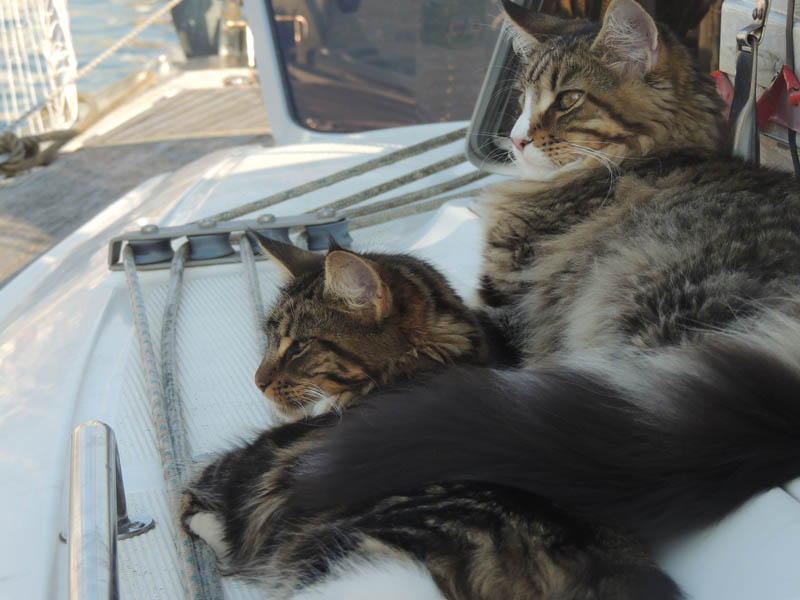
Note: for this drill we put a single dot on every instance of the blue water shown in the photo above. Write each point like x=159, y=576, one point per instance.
x=96, y=24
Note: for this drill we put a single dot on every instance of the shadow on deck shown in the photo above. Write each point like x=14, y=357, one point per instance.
x=39, y=209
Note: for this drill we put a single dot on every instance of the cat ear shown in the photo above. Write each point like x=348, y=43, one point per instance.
x=629, y=37
x=356, y=282
x=294, y=260
x=529, y=29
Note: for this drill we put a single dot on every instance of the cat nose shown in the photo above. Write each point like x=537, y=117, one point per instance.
x=520, y=143
x=262, y=380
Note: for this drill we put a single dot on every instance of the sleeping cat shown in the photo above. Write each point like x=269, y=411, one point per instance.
x=654, y=285
x=344, y=324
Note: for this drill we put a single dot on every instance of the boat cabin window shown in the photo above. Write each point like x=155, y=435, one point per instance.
x=355, y=65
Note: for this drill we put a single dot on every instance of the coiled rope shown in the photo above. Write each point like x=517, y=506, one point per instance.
x=20, y=154
x=23, y=152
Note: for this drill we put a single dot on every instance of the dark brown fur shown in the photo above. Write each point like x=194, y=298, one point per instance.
x=645, y=276
x=479, y=542
x=652, y=284
x=341, y=350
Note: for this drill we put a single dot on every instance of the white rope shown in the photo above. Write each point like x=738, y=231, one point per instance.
x=98, y=59
x=199, y=582
x=176, y=430
x=208, y=586
x=369, y=165
x=254, y=290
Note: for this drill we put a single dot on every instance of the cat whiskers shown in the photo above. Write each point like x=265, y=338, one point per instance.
x=316, y=402
x=502, y=151
x=602, y=158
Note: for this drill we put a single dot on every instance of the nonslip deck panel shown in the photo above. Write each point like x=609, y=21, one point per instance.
x=218, y=352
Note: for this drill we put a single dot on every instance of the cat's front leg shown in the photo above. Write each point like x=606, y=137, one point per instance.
x=508, y=248
x=521, y=216
x=203, y=509
x=237, y=505
x=203, y=522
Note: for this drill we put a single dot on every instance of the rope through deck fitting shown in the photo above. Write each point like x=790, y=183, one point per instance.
x=200, y=578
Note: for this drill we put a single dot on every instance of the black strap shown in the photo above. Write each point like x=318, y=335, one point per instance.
x=741, y=86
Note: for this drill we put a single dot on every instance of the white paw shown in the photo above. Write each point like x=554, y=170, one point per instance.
x=210, y=529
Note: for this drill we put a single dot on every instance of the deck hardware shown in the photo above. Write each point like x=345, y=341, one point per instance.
x=209, y=243
x=319, y=235
x=97, y=513
x=149, y=228
x=237, y=80
x=326, y=213
x=202, y=247
x=743, y=109
x=148, y=252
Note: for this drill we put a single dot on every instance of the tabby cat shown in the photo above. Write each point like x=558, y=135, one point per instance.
x=654, y=287
x=344, y=324
x=651, y=286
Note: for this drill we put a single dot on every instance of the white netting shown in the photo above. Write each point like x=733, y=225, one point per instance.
x=36, y=58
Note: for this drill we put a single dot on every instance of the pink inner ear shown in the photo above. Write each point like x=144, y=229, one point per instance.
x=351, y=278
x=630, y=35
x=360, y=282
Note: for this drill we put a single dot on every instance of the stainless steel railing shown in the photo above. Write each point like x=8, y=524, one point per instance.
x=97, y=513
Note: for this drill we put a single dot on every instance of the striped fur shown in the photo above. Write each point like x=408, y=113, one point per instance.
x=650, y=287
x=346, y=323
x=656, y=309
x=627, y=109
x=477, y=541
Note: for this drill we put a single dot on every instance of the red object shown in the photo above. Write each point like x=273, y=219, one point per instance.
x=778, y=102
x=792, y=85
x=724, y=89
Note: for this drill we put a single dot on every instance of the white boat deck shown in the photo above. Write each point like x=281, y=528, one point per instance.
x=217, y=343
x=71, y=303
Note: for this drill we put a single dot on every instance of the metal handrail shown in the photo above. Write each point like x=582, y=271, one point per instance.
x=97, y=513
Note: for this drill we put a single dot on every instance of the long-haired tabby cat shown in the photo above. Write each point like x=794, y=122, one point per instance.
x=342, y=325
x=654, y=282
x=346, y=323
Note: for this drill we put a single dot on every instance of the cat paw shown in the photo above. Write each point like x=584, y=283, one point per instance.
x=198, y=521
x=209, y=528
x=189, y=506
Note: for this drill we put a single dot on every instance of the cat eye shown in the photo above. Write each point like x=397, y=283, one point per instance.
x=568, y=99
x=296, y=348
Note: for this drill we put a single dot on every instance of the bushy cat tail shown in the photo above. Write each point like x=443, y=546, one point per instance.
x=658, y=446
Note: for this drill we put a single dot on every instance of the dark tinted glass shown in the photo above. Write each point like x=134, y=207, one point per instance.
x=354, y=65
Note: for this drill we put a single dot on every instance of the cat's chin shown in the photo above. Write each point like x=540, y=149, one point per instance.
x=310, y=409
x=527, y=171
